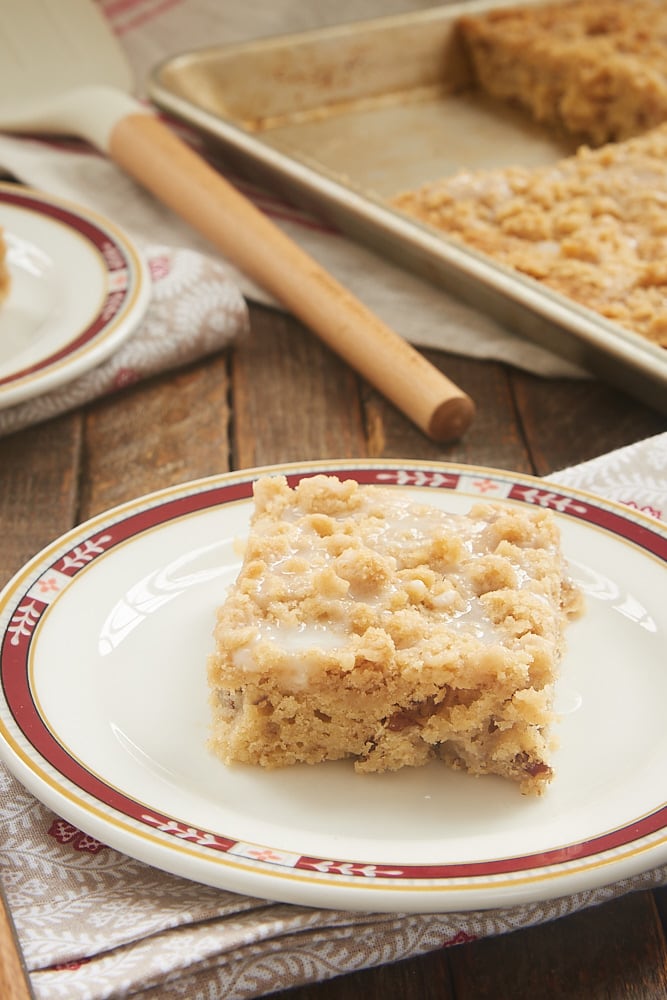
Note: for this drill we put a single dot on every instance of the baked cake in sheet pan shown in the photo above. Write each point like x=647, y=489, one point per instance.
x=368, y=626
x=596, y=67
x=592, y=226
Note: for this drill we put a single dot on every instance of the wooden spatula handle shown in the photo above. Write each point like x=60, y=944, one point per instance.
x=179, y=178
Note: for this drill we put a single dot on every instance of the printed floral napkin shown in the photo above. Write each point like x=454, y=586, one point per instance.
x=96, y=925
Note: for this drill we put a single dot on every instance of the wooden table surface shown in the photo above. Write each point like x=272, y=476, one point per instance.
x=278, y=395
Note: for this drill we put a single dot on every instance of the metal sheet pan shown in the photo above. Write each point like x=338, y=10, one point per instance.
x=339, y=120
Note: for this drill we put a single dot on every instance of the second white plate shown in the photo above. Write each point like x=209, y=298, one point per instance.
x=79, y=287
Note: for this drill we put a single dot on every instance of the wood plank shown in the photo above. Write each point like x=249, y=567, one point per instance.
x=614, y=950
x=493, y=438
x=38, y=488
x=167, y=430
x=660, y=896
x=294, y=400
x=567, y=421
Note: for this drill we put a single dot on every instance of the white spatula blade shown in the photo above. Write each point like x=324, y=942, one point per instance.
x=49, y=46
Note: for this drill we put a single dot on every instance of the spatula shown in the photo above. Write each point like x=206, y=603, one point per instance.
x=62, y=71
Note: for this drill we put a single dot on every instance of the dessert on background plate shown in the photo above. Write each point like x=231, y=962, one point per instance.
x=366, y=625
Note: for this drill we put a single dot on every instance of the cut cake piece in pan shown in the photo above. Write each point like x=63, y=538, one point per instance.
x=596, y=67
x=591, y=226
x=365, y=625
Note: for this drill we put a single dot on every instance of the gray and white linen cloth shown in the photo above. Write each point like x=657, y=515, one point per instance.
x=96, y=925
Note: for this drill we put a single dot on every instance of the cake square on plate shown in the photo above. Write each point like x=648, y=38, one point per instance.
x=366, y=625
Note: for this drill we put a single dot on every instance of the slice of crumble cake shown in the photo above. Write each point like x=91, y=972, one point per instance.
x=366, y=625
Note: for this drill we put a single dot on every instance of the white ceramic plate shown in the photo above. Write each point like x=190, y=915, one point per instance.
x=78, y=289
x=104, y=715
